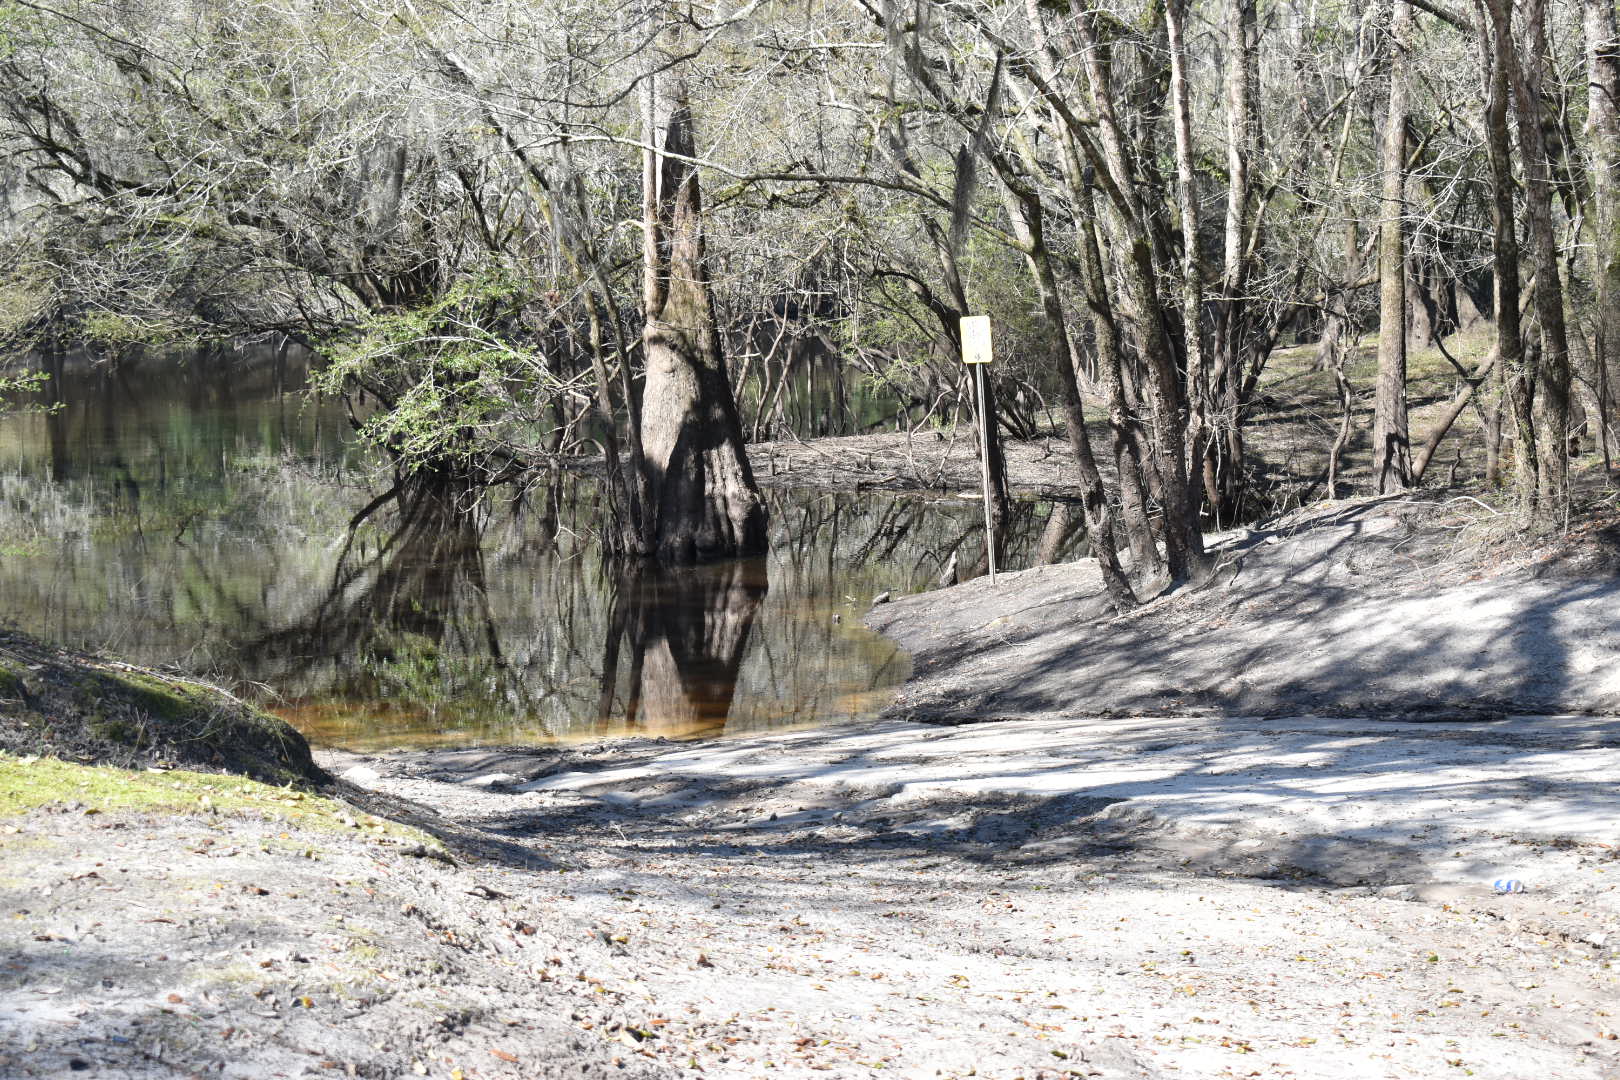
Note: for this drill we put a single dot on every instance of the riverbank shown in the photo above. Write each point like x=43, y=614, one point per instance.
x=75, y=706
x=1434, y=607
x=925, y=460
x=1209, y=839
x=1277, y=859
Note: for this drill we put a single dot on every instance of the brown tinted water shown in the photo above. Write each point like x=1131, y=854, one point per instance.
x=200, y=513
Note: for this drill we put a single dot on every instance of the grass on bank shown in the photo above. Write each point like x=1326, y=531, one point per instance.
x=85, y=735
x=34, y=783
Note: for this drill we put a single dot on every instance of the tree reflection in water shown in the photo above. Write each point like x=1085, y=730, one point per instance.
x=688, y=631
x=406, y=631
x=206, y=517
x=405, y=624
x=459, y=617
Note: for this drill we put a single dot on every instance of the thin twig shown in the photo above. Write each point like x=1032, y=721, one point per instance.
x=1481, y=505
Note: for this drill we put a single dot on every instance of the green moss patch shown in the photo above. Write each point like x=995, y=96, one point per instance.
x=29, y=783
x=58, y=703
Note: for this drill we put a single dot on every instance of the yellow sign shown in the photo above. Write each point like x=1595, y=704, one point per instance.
x=976, y=339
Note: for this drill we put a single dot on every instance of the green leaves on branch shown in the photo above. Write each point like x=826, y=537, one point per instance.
x=26, y=382
x=453, y=384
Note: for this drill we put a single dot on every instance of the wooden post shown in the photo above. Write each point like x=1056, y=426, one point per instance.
x=976, y=351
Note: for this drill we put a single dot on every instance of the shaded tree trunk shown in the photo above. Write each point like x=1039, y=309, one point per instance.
x=1024, y=208
x=1166, y=397
x=1552, y=374
x=703, y=499
x=1540, y=393
x=1146, y=560
x=1497, y=45
x=1222, y=453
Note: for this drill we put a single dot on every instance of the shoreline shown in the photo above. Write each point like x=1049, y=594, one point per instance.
x=923, y=461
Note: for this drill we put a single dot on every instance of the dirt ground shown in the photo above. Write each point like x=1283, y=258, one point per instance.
x=1156, y=865
x=1406, y=606
x=740, y=927
x=925, y=459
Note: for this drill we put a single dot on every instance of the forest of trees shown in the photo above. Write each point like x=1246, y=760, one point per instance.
x=522, y=230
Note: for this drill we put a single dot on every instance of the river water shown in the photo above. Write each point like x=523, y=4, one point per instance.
x=199, y=513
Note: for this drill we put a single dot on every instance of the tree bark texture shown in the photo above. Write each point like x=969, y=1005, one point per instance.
x=1146, y=559
x=1496, y=32
x=703, y=499
x=1166, y=397
x=1603, y=139
x=1552, y=376
x=1392, y=453
x=1200, y=430
x=1025, y=213
x=1221, y=458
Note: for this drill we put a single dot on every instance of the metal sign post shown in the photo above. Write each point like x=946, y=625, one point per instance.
x=976, y=352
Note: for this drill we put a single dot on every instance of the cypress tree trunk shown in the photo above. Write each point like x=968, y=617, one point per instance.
x=703, y=500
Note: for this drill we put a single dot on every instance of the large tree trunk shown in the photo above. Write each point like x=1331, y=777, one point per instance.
x=703, y=499
x=1392, y=454
x=1166, y=397
x=1497, y=46
x=1603, y=137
